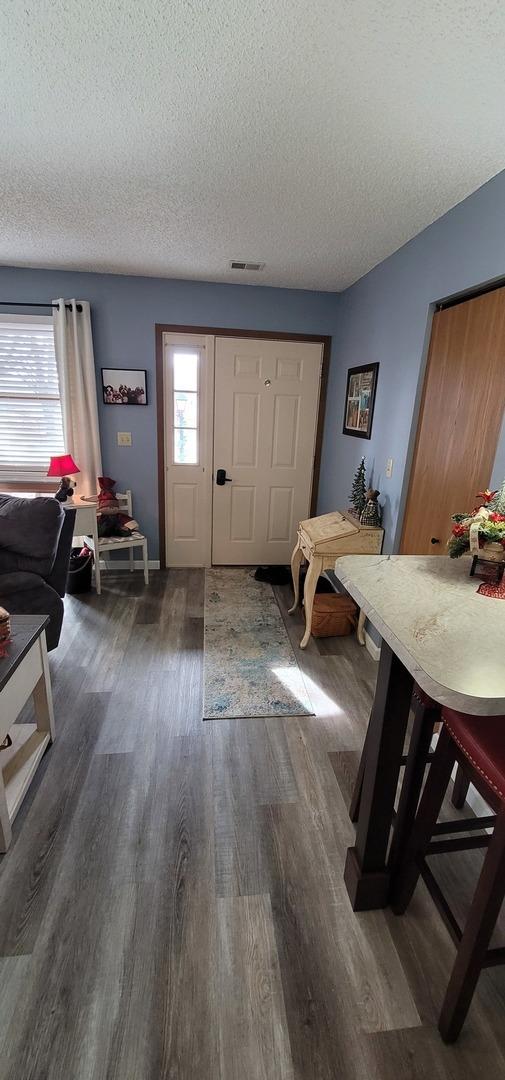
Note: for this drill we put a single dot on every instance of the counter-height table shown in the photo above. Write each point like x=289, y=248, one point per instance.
x=438, y=631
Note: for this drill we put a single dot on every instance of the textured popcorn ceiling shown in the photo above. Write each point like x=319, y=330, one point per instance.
x=168, y=138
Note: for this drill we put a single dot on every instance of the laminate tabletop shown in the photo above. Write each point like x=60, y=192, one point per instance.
x=25, y=629
x=449, y=637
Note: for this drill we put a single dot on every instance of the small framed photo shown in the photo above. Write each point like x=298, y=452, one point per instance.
x=360, y=400
x=124, y=386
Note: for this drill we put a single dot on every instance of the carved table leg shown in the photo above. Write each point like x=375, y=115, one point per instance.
x=311, y=579
x=296, y=559
x=360, y=631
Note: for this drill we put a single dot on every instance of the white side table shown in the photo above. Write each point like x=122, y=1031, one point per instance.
x=320, y=541
x=24, y=672
x=86, y=524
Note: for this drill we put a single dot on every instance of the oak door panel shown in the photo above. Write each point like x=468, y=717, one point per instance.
x=460, y=420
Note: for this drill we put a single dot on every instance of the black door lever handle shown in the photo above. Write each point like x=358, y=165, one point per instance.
x=434, y=540
x=222, y=478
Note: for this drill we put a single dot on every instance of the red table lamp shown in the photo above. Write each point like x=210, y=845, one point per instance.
x=63, y=466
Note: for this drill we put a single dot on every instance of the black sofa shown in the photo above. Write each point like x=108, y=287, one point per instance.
x=35, y=542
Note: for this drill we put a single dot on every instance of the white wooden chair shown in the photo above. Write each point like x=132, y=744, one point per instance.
x=117, y=543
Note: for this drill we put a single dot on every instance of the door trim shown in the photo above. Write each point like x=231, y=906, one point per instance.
x=218, y=331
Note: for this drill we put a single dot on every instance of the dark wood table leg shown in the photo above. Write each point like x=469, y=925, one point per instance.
x=355, y=802
x=425, y=719
x=366, y=875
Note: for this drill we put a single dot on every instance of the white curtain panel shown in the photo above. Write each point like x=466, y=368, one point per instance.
x=73, y=344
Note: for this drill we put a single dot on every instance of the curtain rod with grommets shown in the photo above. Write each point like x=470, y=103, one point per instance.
x=17, y=303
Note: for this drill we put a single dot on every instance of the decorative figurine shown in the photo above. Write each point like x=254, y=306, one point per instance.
x=65, y=490
x=371, y=513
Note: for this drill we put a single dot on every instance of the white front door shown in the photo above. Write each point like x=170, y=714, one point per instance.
x=265, y=416
x=187, y=377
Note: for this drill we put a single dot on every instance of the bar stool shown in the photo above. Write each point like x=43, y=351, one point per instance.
x=477, y=745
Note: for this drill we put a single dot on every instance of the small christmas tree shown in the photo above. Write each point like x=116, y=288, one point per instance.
x=358, y=493
x=497, y=503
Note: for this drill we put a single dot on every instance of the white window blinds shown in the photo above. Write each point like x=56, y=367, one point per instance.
x=30, y=411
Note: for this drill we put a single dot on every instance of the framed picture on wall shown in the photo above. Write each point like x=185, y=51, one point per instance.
x=360, y=400
x=124, y=386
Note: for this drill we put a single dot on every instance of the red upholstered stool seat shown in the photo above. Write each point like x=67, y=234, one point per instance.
x=482, y=741
x=477, y=745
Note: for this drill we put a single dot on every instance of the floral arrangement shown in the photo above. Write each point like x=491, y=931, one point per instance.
x=487, y=521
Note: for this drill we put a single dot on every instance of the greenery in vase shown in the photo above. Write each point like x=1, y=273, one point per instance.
x=358, y=492
x=491, y=517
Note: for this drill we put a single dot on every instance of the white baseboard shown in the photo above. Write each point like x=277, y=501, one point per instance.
x=372, y=647
x=124, y=564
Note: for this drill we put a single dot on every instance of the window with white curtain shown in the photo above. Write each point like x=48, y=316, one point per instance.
x=31, y=427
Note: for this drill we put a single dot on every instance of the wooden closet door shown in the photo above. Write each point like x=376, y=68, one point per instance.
x=460, y=420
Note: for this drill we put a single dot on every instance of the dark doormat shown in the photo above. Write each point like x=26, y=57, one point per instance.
x=274, y=575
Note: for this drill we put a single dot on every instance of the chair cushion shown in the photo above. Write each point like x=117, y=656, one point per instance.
x=482, y=741
x=105, y=541
x=19, y=581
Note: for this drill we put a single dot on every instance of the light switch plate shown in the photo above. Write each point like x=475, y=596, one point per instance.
x=124, y=438
x=389, y=467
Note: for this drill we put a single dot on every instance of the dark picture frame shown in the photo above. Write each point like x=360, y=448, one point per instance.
x=124, y=386
x=360, y=400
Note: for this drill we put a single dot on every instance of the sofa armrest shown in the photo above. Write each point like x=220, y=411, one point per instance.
x=57, y=579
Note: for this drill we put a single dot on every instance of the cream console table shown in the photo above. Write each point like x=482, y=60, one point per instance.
x=321, y=540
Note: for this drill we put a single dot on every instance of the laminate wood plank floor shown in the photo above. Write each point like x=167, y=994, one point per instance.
x=172, y=905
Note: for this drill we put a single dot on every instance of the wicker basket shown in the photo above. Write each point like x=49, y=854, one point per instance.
x=333, y=615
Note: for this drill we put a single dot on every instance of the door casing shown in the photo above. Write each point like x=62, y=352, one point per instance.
x=200, y=331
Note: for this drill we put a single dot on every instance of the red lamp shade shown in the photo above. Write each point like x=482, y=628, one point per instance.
x=62, y=466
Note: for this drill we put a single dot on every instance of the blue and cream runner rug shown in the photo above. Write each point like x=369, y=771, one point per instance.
x=250, y=668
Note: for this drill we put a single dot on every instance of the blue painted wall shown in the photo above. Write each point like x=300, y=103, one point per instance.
x=124, y=311
x=386, y=317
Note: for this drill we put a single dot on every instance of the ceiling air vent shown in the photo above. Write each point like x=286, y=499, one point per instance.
x=247, y=266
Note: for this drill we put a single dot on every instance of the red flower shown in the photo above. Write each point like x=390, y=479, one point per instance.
x=496, y=517
x=458, y=529
x=486, y=495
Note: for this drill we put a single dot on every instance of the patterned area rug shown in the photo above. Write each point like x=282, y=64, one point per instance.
x=249, y=665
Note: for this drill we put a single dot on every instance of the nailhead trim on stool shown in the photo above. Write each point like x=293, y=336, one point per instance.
x=475, y=727
x=425, y=699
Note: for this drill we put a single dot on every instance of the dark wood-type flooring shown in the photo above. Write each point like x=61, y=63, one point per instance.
x=172, y=906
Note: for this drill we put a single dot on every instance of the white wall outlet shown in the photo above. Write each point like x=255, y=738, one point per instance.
x=124, y=438
x=389, y=467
